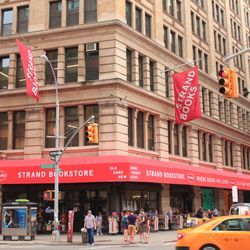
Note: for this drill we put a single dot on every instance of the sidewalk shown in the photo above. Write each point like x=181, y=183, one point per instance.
x=46, y=239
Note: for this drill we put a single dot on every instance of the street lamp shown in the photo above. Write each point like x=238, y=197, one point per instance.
x=55, y=232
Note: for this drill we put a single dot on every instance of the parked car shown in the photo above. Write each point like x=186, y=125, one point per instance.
x=221, y=233
x=240, y=208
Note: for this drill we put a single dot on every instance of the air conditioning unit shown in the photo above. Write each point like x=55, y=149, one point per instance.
x=91, y=47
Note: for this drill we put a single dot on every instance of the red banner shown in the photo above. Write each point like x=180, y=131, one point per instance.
x=118, y=169
x=186, y=92
x=29, y=70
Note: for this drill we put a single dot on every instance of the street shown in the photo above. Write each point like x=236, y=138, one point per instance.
x=154, y=246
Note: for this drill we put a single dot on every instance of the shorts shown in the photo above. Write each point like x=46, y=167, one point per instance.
x=131, y=229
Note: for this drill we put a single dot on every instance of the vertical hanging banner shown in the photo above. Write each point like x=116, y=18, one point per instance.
x=186, y=93
x=29, y=70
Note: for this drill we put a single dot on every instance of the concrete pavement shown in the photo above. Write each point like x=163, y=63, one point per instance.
x=46, y=239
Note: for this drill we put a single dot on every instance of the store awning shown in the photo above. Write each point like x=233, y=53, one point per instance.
x=118, y=169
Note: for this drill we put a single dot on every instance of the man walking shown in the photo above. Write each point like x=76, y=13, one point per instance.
x=90, y=225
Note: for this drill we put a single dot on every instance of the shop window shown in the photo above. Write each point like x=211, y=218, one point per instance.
x=50, y=127
x=20, y=78
x=129, y=65
x=130, y=127
x=7, y=19
x=151, y=139
x=90, y=110
x=3, y=130
x=71, y=64
x=90, y=11
x=55, y=10
x=52, y=56
x=140, y=129
x=92, y=62
x=18, y=129
x=70, y=125
x=72, y=12
x=4, y=72
x=22, y=19
x=129, y=13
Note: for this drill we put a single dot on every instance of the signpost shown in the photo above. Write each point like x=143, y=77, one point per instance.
x=47, y=165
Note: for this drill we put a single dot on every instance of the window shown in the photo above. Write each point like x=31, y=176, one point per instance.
x=18, y=130
x=172, y=34
x=141, y=84
x=55, y=10
x=22, y=19
x=210, y=147
x=204, y=30
x=88, y=111
x=192, y=20
x=71, y=64
x=20, y=78
x=200, y=57
x=167, y=83
x=169, y=137
x=129, y=13
x=198, y=28
x=184, y=141
x=52, y=56
x=70, y=125
x=92, y=64
x=72, y=12
x=151, y=140
x=4, y=72
x=3, y=130
x=50, y=127
x=204, y=147
x=90, y=11
x=178, y=10
x=176, y=140
x=171, y=7
x=138, y=19
x=130, y=127
x=180, y=46
x=165, y=36
x=129, y=65
x=148, y=25
x=151, y=70
x=7, y=16
x=164, y=5
x=233, y=225
x=206, y=62
x=140, y=129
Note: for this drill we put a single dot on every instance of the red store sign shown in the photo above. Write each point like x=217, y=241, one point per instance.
x=118, y=169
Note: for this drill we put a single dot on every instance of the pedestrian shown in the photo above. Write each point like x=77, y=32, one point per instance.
x=199, y=213
x=209, y=214
x=99, y=224
x=142, y=227
x=90, y=225
x=132, y=223
x=215, y=212
x=125, y=225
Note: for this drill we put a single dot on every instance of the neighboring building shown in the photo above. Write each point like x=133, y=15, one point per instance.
x=111, y=58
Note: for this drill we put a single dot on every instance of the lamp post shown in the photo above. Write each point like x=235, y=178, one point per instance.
x=55, y=232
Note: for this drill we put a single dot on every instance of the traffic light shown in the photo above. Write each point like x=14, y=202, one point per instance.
x=91, y=132
x=228, y=81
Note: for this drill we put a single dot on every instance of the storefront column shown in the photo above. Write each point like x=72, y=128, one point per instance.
x=165, y=199
x=114, y=199
x=197, y=198
x=220, y=200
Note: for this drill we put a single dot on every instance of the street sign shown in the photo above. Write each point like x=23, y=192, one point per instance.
x=47, y=165
x=55, y=153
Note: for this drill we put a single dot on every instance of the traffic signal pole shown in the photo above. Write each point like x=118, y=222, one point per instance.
x=236, y=54
x=58, y=153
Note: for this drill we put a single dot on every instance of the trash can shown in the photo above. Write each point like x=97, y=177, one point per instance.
x=85, y=239
x=19, y=219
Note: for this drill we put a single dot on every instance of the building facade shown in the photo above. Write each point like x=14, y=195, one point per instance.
x=114, y=60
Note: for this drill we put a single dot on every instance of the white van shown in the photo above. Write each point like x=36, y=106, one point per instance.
x=240, y=208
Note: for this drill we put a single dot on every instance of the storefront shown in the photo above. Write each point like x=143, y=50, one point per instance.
x=106, y=184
